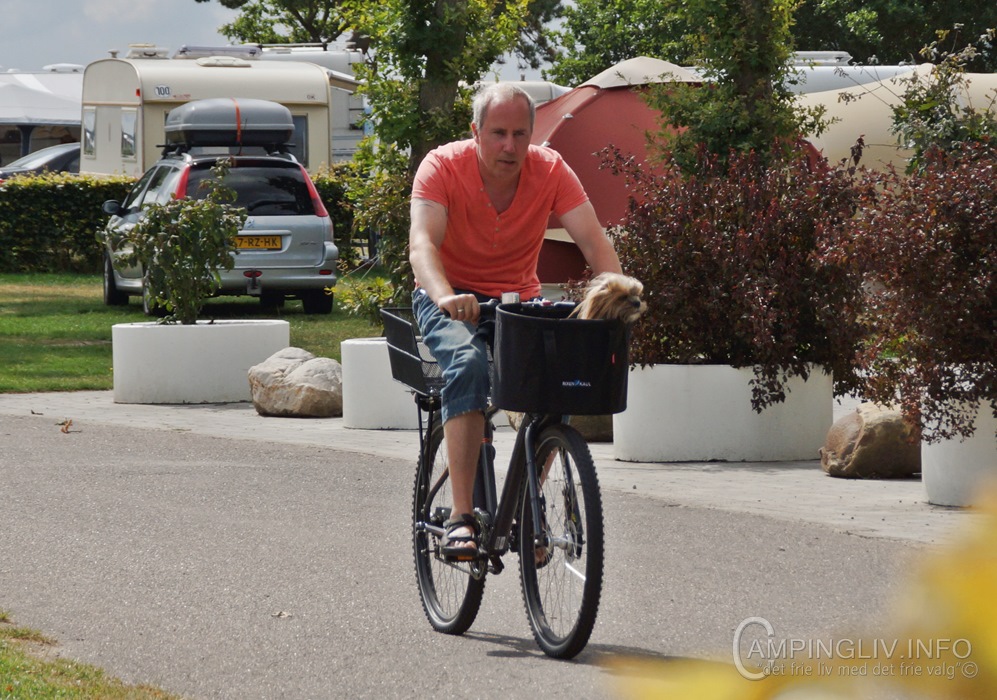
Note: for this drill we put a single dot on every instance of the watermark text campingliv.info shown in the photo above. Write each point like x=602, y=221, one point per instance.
x=759, y=652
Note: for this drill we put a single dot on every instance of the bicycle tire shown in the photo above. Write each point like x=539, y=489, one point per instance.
x=561, y=593
x=450, y=595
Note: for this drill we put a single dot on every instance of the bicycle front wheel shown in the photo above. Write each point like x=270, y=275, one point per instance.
x=450, y=595
x=562, y=580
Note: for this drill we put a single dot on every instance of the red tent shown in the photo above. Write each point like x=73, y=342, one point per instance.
x=607, y=110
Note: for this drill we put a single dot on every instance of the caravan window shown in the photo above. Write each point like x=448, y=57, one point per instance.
x=299, y=142
x=89, y=131
x=129, y=121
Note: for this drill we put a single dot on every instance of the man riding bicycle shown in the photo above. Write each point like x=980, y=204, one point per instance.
x=479, y=212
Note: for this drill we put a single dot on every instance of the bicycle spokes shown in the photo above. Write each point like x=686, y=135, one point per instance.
x=562, y=593
x=450, y=593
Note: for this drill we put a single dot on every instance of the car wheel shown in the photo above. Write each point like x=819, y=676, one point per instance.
x=112, y=295
x=317, y=302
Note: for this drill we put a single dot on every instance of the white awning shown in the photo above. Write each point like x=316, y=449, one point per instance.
x=41, y=98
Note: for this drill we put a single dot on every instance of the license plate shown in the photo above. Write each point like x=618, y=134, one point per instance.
x=258, y=242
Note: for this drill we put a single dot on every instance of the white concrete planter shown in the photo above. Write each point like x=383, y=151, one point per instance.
x=954, y=472
x=693, y=413
x=372, y=399
x=203, y=363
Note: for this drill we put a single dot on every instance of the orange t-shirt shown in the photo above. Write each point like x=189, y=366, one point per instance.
x=493, y=253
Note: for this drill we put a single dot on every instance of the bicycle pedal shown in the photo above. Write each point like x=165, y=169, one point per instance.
x=459, y=558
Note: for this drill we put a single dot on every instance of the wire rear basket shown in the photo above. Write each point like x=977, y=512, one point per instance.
x=411, y=363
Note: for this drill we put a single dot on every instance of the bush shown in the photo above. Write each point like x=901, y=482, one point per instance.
x=379, y=187
x=331, y=188
x=733, y=266
x=364, y=297
x=928, y=244
x=182, y=244
x=48, y=222
x=935, y=110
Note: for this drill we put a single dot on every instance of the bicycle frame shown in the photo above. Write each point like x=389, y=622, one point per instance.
x=496, y=516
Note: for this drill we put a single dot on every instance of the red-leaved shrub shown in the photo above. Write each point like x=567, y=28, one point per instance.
x=928, y=243
x=733, y=265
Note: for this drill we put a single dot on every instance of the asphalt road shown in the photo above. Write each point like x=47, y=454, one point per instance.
x=233, y=568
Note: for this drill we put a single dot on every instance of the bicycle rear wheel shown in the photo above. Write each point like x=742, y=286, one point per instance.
x=562, y=583
x=450, y=595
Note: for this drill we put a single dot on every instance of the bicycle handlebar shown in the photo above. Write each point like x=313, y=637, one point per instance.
x=488, y=309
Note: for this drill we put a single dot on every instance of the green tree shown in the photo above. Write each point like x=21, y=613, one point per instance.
x=427, y=58
x=322, y=21
x=284, y=21
x=743, y=48
x=934, y=110
x=536, y=45
x=891, y=31
x=598, y=34
x=182, y=246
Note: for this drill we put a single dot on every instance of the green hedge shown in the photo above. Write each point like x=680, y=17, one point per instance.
x=48, y=223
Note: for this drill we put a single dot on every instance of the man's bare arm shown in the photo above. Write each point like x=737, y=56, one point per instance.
x=429, y=226
x=583, y=226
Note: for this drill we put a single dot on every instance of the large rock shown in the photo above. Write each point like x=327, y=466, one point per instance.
x=293, y=382
x=874, y=442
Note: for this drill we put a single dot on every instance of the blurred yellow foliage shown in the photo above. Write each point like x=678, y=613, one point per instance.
x=941, y=642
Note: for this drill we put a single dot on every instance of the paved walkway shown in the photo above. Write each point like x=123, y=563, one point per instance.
x=792, y=491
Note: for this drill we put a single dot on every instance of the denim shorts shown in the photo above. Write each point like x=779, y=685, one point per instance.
x=462, y=355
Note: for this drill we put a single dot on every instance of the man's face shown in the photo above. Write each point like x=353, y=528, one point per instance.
x=504, y=137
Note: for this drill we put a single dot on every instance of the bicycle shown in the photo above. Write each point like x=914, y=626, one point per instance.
x=550, y=510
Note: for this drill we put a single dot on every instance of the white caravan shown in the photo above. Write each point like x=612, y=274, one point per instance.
x=126, y=101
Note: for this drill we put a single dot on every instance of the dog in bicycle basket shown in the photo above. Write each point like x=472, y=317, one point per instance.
x=611, y=296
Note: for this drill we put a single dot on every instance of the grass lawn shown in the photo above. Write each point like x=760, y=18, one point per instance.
x=55, y=331
x=29, y=671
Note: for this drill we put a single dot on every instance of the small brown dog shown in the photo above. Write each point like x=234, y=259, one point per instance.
x=612, y=296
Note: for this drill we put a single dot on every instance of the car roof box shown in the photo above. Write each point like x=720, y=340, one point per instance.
x=229, y=121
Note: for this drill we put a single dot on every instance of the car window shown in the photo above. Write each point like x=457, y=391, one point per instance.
x=135, y=195
x=262, y=190
x=163, y=189
x=158, y=191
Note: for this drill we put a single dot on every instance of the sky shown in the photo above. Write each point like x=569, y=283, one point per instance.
x=37, y=33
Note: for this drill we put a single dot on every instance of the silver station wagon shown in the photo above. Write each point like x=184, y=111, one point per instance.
x=285, y=249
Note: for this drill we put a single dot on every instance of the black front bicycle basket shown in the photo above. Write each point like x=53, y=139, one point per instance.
x=548, y=363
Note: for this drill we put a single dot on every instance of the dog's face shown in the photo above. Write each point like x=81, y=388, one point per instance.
x=613, y=296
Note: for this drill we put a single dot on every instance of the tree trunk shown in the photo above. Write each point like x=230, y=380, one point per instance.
x=439, y=88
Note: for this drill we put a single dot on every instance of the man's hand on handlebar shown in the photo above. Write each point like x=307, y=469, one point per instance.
x=461, y=307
